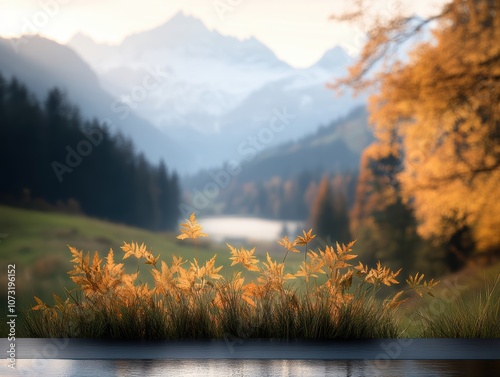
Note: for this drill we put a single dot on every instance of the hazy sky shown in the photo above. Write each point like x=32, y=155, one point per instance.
x=298, y=31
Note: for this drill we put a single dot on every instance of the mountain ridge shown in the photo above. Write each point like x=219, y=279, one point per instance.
x=44, y=64
x=220, y=89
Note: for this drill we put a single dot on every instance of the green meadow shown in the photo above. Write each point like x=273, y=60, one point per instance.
x=37, y=242
x=461, y=305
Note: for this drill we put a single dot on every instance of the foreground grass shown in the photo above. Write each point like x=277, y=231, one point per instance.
x=281, y=318
x=476, y=316
x=325, y=297
x=464, y=305
x=198, y=302
x=37, y=242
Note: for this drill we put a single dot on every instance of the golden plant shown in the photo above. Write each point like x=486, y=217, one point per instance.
x=289, y=246
x=139, y=252
x=187, y=288
x=304, y=240
x=191, y=230
x=245, y=257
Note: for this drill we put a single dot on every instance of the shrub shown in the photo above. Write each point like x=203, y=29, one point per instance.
x=193, y=300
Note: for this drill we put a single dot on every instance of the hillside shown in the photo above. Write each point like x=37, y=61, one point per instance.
x=333, y=148
x=37, y=242
x=274, y=181
x=43, y=64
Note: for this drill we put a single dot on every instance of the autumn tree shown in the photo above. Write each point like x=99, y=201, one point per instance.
x=439, y=113
x=384, y=226
x=329, y=217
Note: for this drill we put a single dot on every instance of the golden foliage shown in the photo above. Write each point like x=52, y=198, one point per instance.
x=271, y=275
x=91, y=277
x=305, y=238
x=439, y=114
x=40, y=305
x=310, y=269
x=416, y=283
x=139, y=252
x=191, y=229
x=289, y=245
x=382, y=274
x=245, y=257
x=107, y=286
x=337, y=259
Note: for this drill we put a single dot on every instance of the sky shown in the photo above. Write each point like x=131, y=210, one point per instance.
x=298, y=31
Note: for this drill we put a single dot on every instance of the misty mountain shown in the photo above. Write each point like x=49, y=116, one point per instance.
x=43, y=64
x=336, y=57
x=218, y=90
x=280, y=181
x=334, y=148
x=208, y=72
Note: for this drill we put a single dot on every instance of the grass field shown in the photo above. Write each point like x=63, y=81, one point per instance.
x=37, y=243
x=464, y=305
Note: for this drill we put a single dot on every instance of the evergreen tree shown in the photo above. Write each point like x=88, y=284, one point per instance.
x=172, y=215
x=329, y=217
x=168, y=197
x=145, y=210
x=105, y=177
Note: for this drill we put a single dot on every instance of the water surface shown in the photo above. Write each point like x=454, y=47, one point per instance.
x=247, y=228
x=260, y=368
x=254, y=357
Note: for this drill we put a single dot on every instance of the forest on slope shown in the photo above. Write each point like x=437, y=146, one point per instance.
x=52, y=158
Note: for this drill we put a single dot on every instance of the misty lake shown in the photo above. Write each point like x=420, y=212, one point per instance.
x=260, y=368
x=247, y=228
x=254, y=357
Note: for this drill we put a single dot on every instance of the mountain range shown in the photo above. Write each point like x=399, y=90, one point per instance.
x=281, y=181
x=183, y=92
x=219, y=90
x=43, y=64
x=333, y=149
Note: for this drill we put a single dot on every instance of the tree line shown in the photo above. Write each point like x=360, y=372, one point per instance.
x=430, y=180
x=49, y=154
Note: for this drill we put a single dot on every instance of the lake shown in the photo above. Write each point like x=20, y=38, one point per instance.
x=250, y=229
x=254, y=357
x=258, y=368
